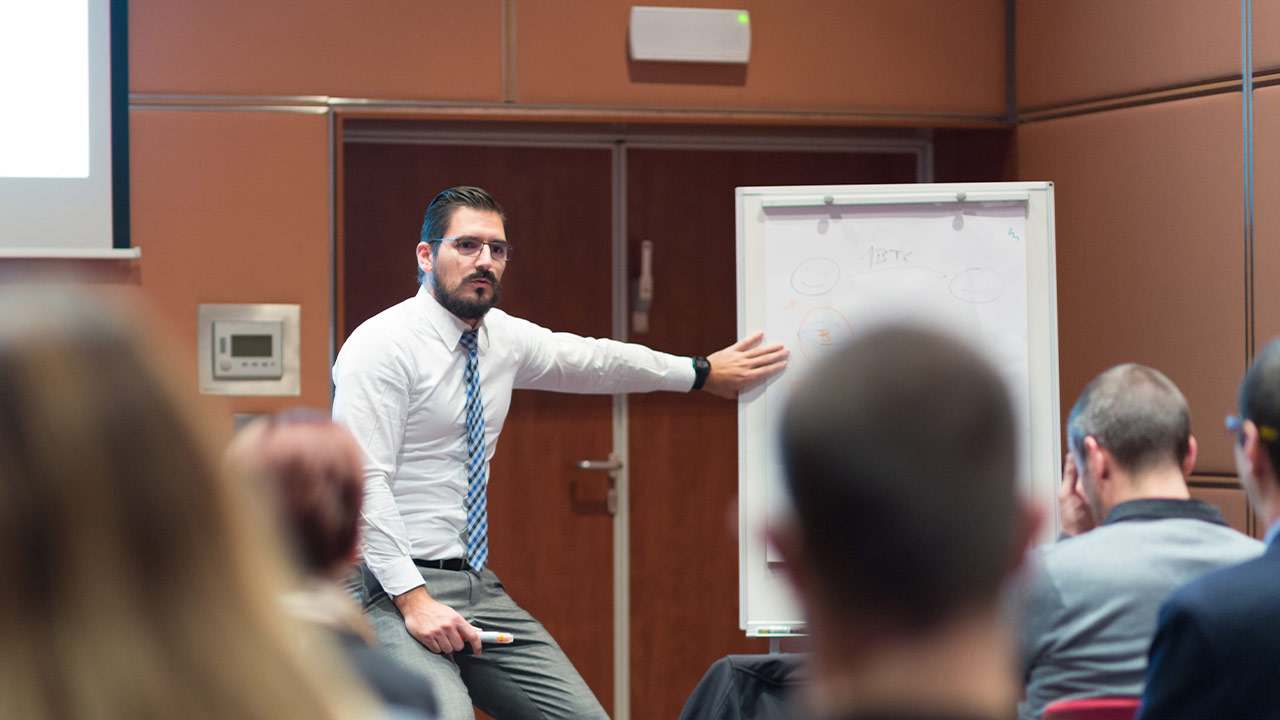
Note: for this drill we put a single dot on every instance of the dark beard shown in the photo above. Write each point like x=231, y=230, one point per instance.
x=463, y=304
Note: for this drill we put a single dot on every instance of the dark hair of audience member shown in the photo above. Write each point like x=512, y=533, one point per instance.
x=892, y=447
x=1259, y=396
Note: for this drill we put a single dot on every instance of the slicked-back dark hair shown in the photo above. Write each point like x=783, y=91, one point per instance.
x=1260, y=395
x=1135, y=413
x=440, y=213
x=900, y=458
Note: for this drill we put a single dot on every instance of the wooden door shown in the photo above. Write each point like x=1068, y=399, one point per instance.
x=684, y=477
x=550, y=538
x=550, y=541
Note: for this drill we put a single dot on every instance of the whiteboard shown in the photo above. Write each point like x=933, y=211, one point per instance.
x=818, y=265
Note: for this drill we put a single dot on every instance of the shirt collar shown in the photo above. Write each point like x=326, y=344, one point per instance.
x=1164, y=509
x=1272, y=532
x=448, y=327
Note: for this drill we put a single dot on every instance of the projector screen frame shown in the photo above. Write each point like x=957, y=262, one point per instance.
x=112, y=237
x=120, y=235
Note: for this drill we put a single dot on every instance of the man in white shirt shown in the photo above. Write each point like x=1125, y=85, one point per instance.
x=425, y=386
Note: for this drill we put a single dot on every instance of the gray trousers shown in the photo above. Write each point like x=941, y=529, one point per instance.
x=530, y=679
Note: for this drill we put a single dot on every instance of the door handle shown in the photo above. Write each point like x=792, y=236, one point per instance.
x=612, y=466
x=642, y=290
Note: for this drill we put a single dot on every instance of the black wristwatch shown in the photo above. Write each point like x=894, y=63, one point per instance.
x=701, y=369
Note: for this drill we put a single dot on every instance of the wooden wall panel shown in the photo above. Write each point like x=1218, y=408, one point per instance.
x=1230, y=500
x=925, y=56
x=1149, y=251
x=1085, y=49
x=1266, y=223
x=1266, y=35
x=396, y=49
x=233, y=207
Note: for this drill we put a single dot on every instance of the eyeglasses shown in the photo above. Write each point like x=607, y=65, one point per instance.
x=499, y=250
x=1235, y=426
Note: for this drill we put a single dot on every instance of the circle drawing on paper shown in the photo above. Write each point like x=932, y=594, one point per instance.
x=977, y=285
x=815, y=276
x=822, y=330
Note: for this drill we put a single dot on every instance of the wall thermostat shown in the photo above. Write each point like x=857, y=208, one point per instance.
x=249, y=349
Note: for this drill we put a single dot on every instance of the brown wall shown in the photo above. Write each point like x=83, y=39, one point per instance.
x=397, y=49
x=1068, y=52
x=1266, y=215
x=1149, y=248
x=227, y=207
x=919, y=56
x=1153, y=261
x=931, y=57
x=233, y=207
x=1266, y=35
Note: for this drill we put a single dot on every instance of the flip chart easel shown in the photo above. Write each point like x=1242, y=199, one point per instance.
x=817, y=265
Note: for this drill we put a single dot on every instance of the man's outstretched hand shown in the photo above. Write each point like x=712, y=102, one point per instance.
x=742, y=364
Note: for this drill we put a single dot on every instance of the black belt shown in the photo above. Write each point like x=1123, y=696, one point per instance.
x=450, y=564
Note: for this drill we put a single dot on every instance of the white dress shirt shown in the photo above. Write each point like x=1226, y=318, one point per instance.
x=400, y=391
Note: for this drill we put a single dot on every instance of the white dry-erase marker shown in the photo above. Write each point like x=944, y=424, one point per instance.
x=493, y=636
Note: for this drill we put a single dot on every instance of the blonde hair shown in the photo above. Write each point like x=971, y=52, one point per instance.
x=140, y=581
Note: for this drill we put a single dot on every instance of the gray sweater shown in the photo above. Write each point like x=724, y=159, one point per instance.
x=1088, y=611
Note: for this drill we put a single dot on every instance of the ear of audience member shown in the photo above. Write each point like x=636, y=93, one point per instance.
x=900, y=462
x=141, y=582
x=312, y=472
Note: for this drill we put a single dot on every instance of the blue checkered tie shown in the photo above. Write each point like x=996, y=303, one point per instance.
x=477, y=471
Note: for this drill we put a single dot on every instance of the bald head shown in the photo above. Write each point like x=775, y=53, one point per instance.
x=1135, y=413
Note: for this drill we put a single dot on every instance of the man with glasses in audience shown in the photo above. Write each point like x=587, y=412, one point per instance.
x=425, y=386
x=1217, y=644
x=1091, y=601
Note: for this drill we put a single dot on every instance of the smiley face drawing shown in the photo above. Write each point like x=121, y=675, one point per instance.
x=815, y=276
x=978, y=285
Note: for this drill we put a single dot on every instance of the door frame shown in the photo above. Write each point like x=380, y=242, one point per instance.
x=919, y=145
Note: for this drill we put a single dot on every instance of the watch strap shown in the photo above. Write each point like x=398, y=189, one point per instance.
x=701, y=369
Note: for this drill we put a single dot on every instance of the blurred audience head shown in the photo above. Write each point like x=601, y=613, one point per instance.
x=905, y=525
x=1257, y=432
x=900, y=461
x=312, y=471
x=142, y=580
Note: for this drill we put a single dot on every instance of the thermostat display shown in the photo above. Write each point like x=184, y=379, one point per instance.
x=248, y=350
x=251, y=346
